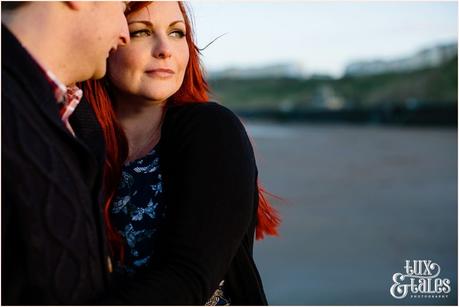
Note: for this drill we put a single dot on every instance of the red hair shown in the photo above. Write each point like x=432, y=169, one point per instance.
x=193, y=89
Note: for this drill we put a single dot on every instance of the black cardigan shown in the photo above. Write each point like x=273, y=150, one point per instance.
x=53, y=244
x=210, y=184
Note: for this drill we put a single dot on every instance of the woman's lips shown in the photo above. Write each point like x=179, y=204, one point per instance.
x=160, y=72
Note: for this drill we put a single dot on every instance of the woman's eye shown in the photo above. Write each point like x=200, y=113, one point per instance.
x=140, y=33
x=177, y=34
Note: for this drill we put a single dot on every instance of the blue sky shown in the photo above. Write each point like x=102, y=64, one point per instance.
x=322, y=36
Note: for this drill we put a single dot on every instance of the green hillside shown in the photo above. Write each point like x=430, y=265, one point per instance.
x=434, y=85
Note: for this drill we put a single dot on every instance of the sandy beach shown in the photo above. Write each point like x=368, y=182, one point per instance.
x=359, y=202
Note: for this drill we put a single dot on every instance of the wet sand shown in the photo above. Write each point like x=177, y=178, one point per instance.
x=359, y=201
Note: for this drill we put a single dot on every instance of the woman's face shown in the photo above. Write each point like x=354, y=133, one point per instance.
x=153, y=64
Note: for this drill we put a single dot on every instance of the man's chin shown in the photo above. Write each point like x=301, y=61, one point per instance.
x=98, y=74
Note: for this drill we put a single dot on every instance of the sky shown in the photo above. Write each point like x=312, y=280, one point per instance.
x=322, y=37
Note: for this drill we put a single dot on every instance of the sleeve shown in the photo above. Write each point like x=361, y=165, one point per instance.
x=211, y=206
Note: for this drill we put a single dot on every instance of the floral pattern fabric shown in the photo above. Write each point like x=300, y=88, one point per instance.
x=138, y=210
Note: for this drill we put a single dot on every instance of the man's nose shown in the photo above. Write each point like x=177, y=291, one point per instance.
x=124, y=37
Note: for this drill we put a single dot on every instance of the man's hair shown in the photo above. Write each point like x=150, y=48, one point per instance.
x=12, y=5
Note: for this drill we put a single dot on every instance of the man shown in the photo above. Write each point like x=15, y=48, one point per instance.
x=53, y=245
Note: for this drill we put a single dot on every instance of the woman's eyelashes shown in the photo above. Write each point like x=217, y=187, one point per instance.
x=140, y=33
x=176, y=33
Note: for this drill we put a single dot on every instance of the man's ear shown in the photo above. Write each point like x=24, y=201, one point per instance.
x=74, y=5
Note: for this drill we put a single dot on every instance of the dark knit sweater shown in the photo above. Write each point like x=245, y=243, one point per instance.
x=53, y=249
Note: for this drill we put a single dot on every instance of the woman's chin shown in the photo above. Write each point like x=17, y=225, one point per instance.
x=158, y=96
x=156, y=99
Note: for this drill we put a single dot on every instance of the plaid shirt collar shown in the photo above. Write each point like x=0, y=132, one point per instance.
x=67, y=97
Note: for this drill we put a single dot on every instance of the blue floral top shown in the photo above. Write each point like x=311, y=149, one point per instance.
x=138, y=212
x=138, y=209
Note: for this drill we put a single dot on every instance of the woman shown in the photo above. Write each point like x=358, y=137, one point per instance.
x=182, y=219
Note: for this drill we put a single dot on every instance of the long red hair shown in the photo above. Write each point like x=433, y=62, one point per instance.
x=193, y=89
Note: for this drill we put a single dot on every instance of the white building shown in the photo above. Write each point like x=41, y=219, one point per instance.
x=287, y=70
x=430, y=57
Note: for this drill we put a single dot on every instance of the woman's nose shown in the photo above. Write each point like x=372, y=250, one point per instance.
x=162, y=48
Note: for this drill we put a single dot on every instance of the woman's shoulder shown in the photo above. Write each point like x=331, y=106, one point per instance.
x=206, y=132
x=200, y=110
x=202, y=115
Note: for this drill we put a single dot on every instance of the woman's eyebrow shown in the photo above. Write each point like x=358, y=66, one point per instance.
x=148, y=23
x=177, y=21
